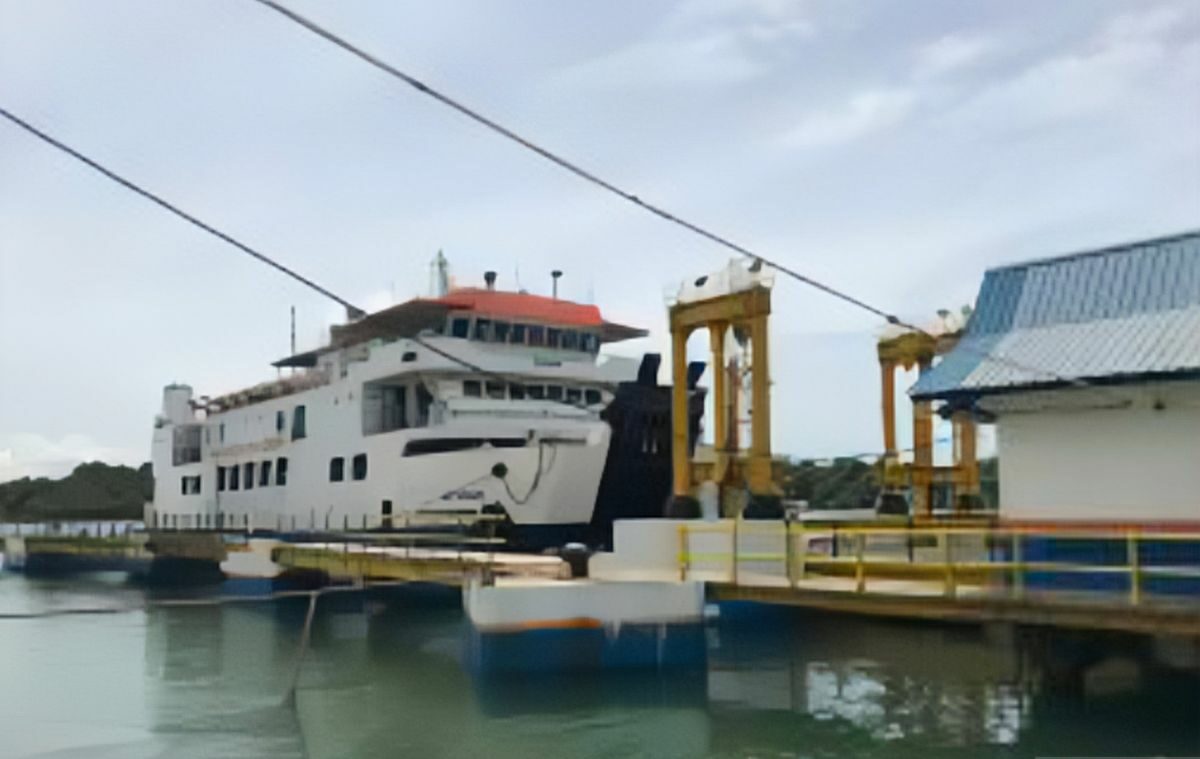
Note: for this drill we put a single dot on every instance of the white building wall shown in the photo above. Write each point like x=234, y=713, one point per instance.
x=1135, y=464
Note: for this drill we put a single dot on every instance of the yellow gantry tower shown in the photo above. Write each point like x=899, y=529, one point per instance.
x=739, y=299
x=919, y=349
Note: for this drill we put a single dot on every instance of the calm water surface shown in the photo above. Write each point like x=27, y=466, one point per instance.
x=384, y=680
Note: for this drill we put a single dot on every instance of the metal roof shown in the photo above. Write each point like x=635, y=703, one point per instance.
x=1110, y=315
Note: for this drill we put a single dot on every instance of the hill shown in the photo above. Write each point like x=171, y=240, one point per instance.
x=94, y=490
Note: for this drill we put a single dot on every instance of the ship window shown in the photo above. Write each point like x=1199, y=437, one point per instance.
x=571, y=340
x=537, y=392
x=500, y=332
x=517, y=336
x=424, y=400
x=495, y=390
x=589, y=342
x=472, y=388
x=574, y=395
x=553, y=336
x=220, y=479
x=395, y=405
x=537, y=336
x=460, y=327
x=337, y=469
x=233, y=477
x=264, y=474
x=248, y=474
x=516, y=392
x=554, y=392
x=185, y=444
x=450, y=444
x=221, y=432
x=592, y=396
x=359, y=467
x=299, y=427
x=408, y=357
x=483, y=329
x=189, y=485
x=281, y=470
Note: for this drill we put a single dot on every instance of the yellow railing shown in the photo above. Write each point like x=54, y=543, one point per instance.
x=990, y=559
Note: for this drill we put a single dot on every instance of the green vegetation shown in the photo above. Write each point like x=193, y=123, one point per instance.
x=93, y=491
x=849, y=483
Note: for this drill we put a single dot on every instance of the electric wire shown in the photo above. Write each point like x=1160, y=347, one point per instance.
x=352, y=311
x=653, y=208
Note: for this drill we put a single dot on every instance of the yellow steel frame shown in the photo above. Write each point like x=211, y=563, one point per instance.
x=950, y=573
x=746, y=309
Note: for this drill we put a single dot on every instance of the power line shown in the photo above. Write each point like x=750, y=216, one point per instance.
x=352, y=311
x=612, y=188
x=570, y=166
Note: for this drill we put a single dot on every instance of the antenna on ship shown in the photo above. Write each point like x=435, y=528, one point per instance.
x=439, y=276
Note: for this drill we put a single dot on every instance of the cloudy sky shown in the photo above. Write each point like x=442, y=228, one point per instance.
x=895, y=150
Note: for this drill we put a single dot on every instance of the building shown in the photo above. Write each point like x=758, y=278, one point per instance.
x=1089, y=366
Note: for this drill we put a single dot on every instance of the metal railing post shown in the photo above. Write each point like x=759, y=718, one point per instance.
x=734, y=568
x=1018, y=571
x=787, y=554
x=1133, y=558
x=860, y=572
x=683, y=551
x=948, y=560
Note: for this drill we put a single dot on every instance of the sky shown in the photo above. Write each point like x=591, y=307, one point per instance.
x=894, y=150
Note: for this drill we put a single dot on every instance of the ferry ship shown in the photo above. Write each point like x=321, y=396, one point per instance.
x=476, y=401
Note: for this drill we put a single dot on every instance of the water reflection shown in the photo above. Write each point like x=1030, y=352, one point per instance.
x=384, y=678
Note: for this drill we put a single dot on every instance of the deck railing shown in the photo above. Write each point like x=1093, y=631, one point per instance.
x=1004, y=561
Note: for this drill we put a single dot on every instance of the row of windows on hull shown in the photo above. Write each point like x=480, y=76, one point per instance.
x=242, y=476
x=515, y=333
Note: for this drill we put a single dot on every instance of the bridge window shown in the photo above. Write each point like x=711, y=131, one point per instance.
x=516, y=392
x=554, y=392
x=233, y=477
x=264, y=474
x=574, y=395
x=537, y=336
x=299, y=426
x=500, y=332
x=281, y=470
x=495, y=390
x=359, y=467
x=536, y=392
x=395, y=407
x=589, y=342
x=220, y=479
x=460, y=327
x=553, y=337
x=592, y=396
x=248, y=474
x=517, y=336
x=570, y=340
x=185, y=447
x=337, y=469
x=472, y=388
x=483, y=329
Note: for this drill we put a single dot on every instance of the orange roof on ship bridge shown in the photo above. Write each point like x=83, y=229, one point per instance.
x=522, y=306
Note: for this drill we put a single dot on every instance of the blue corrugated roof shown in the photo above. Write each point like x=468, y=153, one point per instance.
x=1115, y=313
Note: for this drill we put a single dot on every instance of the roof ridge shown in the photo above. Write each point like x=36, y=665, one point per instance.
x=1126, y=246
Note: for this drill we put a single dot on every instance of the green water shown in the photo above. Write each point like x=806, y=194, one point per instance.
x=384, y=680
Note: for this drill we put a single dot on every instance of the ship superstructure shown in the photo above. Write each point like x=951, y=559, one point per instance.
x=478, y=400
